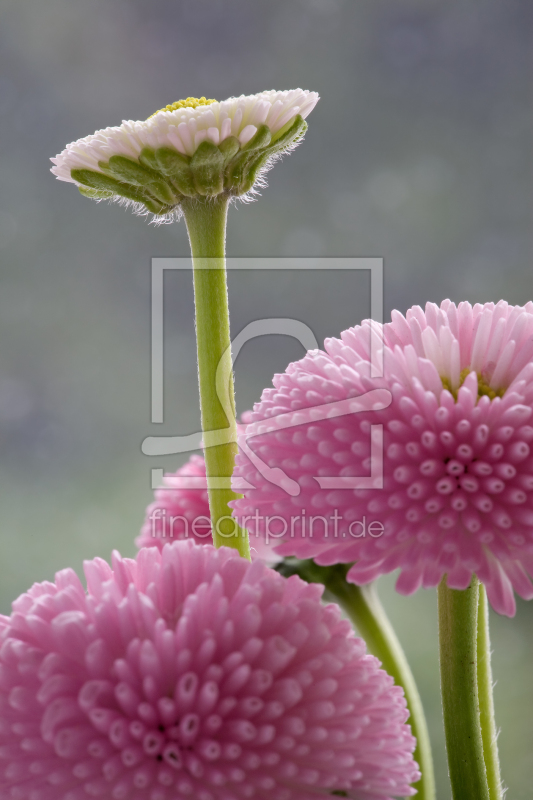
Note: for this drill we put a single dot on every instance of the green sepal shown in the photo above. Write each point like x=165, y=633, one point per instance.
x=207, y=169
x=94, y=194
x=261, y=138
x=163, y=192
x=156, y=207
x=175, y=166
x=97, y=181
x=291, y=131
x=130, y=171
x=169, y=160
x=229, y=148
x=237, y=169
x=252, y=172
x=147, y=158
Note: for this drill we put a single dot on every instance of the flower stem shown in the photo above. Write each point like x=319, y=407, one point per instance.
x=206, y=225
x=363, y=607
x=486, y=700
x=458, y=635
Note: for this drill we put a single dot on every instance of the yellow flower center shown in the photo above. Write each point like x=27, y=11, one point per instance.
x=190, y=102
x=483, y=387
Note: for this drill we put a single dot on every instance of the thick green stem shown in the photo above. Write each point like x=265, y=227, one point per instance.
x=458, y=633
x=489, y=733
x=363, y=607
x=206, y=224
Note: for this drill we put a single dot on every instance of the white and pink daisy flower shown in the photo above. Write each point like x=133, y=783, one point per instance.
x=194, y=147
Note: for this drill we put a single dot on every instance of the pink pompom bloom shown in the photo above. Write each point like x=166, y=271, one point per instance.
x=453, y=411
x=193, y=674
x=181, y=511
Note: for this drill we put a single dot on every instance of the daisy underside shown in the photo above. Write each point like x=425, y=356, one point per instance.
x=194, y=148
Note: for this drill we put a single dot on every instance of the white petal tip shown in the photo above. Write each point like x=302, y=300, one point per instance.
x=247, y=133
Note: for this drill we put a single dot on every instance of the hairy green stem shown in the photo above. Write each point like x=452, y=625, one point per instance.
x=363, y=607
x=458, y=642
x=489, y=733
x=206, y=225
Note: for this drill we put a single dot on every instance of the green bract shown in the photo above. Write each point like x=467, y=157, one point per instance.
x=161, y=178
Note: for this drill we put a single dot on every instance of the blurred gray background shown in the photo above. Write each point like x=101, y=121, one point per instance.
x=419, y=151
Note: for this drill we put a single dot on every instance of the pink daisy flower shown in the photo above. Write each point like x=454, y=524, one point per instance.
x=453, y=421
x=193, y=674
x=181, y=511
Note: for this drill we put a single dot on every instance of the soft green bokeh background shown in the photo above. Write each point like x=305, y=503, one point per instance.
x=419, y=151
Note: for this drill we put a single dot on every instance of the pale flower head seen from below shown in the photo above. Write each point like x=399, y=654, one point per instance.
x=191, y=148
x=192, y=674
x=456, y=493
